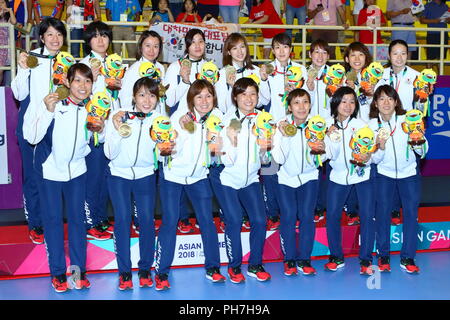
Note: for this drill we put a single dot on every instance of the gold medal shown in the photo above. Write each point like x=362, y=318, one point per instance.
x=95, y=63
x=32, y=62
x=383, y=134
x=186, y=63
x=269, y=68
x=124, y=130
x=336, y=136
x=290, y=130
x=63, y=92
x=312, y=73
x=229, y=71
x=189, y=126
x=235, y=124
x=351, y=76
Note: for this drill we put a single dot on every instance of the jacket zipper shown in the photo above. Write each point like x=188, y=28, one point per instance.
x=198, y=157
x=248, y=151
x=74, y=145
x=345, y=158
x=303, y=157
x=395, y=154
x=137, y=150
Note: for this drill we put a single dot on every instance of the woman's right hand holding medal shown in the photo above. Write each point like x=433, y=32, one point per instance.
x=23, y=56
x=50, y=101
x=117, y=119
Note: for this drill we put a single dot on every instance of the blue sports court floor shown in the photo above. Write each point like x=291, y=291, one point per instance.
x=433, y=283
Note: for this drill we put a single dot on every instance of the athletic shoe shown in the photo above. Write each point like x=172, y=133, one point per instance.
x=145, y=279
x=258, y=272
x=125, y=281
x=236, y=275
x=395, y=218
x=352, y=219
x=60, y=283
x=162, y=282
x=289, y=268
x=334, y=263
x=214, y=275
x=136, y=228
x=273, y=223
x=366, y=267
x=157, y=225
x=409, y=265
x=37, y=235
x=107, y=227
x=319, y=215
x=97, y=233
x=384, y=264
x=246, y=223
x=304, y=266
x=83, y=282
x=184, y=227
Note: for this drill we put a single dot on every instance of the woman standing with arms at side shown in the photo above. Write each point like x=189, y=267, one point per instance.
x=397, y=170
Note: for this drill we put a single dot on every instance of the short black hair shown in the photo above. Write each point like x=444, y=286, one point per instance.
x=82, y=69
x=336, y=100
x=51, y=22
x=189, y=38
x=97, y=27
x=240, y=86
x=146, y=34
x=282, y=38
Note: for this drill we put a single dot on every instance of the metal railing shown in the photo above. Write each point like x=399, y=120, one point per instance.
x=304, y=45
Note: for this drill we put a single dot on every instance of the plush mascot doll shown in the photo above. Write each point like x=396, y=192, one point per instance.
x=113, y=70
x=264, y=130
x=415, y=128
x=334, y=78
x=293, y=79
x=98, y=107
x=370, y=76
x=315, y=133
x=163, y=134
x=209, y=72
x=423, y=87
x=149, y=70
x=64, y=61
x=213, y=128
x=362, y=143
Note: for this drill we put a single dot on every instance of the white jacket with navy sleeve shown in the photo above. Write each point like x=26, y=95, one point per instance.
x=292, y=153
x=189, y=162
x=62, y=141
x=132, y=157
x=397, y=161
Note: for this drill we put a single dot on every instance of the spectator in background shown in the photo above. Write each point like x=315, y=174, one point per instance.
x=263, y=12
x=372, y=16
x=161, y=12
x=294, y=9
x=208, y=7
x=119, y=10
x=37, y=12
x=399, y=12
x=325, y=14
x=189, y=13
x=6, y=15
x=431, y=16
x=176, y=6
x=80, y=10
x=357, y=7
x=229, y=10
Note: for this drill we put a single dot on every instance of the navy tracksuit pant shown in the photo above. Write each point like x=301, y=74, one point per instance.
x=143, y=193
x=51, y=196
x=96, y=188
x=200, y=195
x=270, y=187
x=251, y=199
x=297, y=204
x=337, y=194
x=409, y=190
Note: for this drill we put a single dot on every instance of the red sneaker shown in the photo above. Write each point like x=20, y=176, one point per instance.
x=383, y=264
x=185, y=227
x=366, y=268
x=97, y=233
x=258, y=272
x=273, y=223
x=246, y=223
x=289, y=268
x=125, y=281
x=60, y=283
x=395, y=218
x=107, y=227
x=334, y=263
x=222, y=226
x=162, y=282
x=352, y=219
x=318, y=215
x=304, y=266
x=236, y=275
x=214, y=275
x=37, y=235
x=145, y=279
x=409, y=265
x=83, y=282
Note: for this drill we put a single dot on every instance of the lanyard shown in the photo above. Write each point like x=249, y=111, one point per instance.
x=202, y=119
x=301, y=125
x=133, y=114
x=341, y=127
x=245, y=117
x=380, y=125
x=397, y=86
